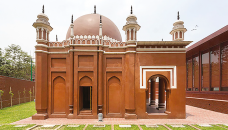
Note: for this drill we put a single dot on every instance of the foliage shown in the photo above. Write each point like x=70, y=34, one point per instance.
x=17, y=112
x=16, y=63
x=30, y=92
x=24, y=91
x=11, y=93
x=11, y=127
x=1, y=92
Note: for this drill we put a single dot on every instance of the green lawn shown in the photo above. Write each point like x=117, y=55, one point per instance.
x=133, y=127
x=11, y=127
x=90, y=127
x=160, y=127
x=223, y=126
x=72, y=128
x=17, y=112
x=214, y=127
x=187, y=127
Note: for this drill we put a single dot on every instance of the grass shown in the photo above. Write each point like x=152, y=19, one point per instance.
x=11, y=127
x=214, y=127
x=223, y=126
x=133, y=127
x=48, y=128
x=160, y=127
x=72, y=128
x=90, y=127
x=17, y=112
x=187, y=127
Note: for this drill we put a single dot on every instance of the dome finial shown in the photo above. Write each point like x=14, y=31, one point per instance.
x=56, y=38
x=100, y=19
x=178, y=16
x=131, y=10
x=94, y=9
x=72, y=19
x=43, y=9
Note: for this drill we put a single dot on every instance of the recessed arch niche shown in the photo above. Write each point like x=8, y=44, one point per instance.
x=59, y=96
x=113, y=93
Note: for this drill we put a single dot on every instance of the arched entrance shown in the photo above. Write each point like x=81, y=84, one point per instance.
x=158, y=93
x=85, y=95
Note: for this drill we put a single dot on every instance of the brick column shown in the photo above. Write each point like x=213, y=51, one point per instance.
x=130, y=85
x=41, y=86
x=100, y=79
x=153, y=93
x=71, y=83
x=161, y=104
x=149, y=89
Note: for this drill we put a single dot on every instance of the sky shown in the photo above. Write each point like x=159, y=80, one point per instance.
x=156, y=18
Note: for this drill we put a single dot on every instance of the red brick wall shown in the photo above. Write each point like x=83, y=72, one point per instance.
x=16, y=85
x=212, y=101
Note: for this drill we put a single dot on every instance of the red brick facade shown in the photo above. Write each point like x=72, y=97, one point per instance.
x=17, y=86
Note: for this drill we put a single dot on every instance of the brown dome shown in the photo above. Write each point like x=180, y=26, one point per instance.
x=89, y=25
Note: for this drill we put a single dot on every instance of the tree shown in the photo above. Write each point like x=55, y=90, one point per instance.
x=15, y=62
x=1, y=93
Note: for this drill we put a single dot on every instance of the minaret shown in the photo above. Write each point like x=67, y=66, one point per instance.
x=72, y=27
x=131, y=27
x=100, y=28
x=43, y=27
x=95, y=9
x=178, y=29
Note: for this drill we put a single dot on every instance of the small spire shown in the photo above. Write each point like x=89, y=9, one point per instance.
x=72, y=19
x=178, y=16
x=131, y=10
x=43, y=9
x=100, y=19
x=56, y=38
x=94, y=9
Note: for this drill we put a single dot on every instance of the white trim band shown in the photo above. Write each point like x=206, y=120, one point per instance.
x=171, y=69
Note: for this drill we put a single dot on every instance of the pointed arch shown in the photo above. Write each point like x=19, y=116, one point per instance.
x=59, y=96
x=85, y=81
x=167, y=83
x=114, y=89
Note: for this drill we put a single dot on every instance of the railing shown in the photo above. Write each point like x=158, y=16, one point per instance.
x=88, y=40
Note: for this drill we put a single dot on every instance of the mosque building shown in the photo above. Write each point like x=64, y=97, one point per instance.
x=93, y=71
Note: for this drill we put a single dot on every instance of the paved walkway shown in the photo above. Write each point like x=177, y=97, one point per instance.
x=194, y=115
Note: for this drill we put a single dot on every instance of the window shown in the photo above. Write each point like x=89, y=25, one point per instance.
x=214, y=64
x=224, y=66
x=205, y=72
x=195, y=73
x=189, y=75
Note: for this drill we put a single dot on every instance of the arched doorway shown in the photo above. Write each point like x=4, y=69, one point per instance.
x=85, y=95
x=158, y=93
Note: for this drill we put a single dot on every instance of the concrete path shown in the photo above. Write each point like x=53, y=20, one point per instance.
x=194, y=115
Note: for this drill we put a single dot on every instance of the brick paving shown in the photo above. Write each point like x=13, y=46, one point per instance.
x=194, y=115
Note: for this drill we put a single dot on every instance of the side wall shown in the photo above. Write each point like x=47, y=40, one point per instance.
x=17, y=86
x=212, y=101
x=176, y=96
